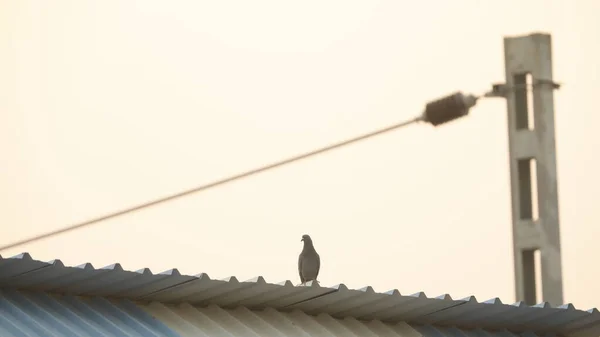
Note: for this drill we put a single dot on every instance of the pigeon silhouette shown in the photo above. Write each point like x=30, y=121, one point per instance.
x=309, y=261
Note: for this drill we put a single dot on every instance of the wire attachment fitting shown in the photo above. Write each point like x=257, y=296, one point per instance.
x=502, y=89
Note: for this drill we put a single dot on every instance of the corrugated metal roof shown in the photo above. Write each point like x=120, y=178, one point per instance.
x=191, y=321
x=26, y=314
x=22, y=272
x=36, y=314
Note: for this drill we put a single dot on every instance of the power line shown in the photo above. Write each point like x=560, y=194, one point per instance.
x=218, y=182
x=437, y=112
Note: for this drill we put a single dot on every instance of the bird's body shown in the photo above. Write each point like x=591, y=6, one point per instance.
x=309, y=262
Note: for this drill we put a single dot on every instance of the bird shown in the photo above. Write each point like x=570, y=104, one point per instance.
x=309, y=261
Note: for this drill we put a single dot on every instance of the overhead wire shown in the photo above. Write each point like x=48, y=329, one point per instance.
x=213, y=184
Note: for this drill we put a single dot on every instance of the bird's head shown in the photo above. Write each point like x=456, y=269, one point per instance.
x=306, y=238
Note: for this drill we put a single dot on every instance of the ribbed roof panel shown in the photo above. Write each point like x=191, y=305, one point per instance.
x=23, y=272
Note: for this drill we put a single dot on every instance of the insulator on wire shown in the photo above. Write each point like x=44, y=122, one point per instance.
x=448, y=108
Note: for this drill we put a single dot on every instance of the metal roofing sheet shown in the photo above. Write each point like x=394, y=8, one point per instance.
x=32, y=314
x=22, y=272
x=41, y=315
x=190, y=321
x=213, y=320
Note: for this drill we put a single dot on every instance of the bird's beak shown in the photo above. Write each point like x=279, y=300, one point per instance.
x=301, y=240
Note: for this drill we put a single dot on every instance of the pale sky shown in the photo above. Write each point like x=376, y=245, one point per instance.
x=107, y=104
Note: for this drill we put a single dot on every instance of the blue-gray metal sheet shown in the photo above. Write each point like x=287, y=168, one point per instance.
x=40, y=315
x=23, y=272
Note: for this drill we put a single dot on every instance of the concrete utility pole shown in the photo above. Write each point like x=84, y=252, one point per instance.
x=533, y=166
